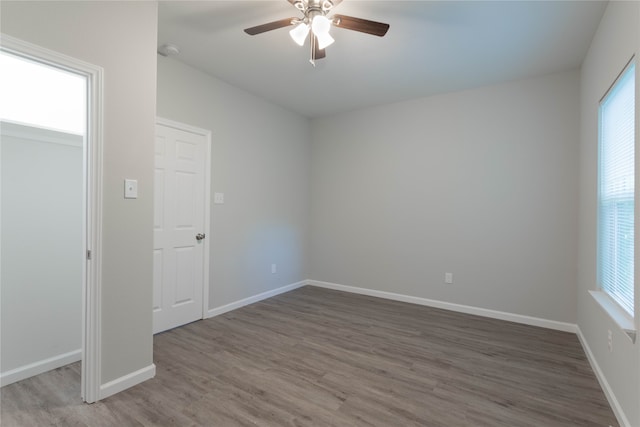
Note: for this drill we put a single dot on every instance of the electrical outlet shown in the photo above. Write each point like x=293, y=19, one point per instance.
x=448, y=278
x=609, y=341
x=274, y=269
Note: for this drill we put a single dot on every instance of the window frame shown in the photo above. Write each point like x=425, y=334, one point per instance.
x=614, y=307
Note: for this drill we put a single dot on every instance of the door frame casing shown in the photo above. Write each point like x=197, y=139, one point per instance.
x=92, y=203
x=207, y=201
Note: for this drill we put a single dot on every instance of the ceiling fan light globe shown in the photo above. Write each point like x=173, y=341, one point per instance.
x=320, y=25
x=324, y=40
x=299, y=33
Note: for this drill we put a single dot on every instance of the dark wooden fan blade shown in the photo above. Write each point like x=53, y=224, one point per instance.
x=317, y=52
x=269, y=26
x=362, y=25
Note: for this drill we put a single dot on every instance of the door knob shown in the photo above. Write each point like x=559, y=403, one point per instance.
x=200, y=236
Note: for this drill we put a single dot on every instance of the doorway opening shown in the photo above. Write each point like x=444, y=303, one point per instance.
x=50, y=156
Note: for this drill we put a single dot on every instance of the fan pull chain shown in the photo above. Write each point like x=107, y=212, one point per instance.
x=312, y=43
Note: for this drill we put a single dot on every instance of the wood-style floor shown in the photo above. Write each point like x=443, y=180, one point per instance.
x=315, y=357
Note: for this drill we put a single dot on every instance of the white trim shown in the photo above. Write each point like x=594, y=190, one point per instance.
x=250, y=300
x=92, y=333
x=37, y=368
x=620, y=317
x=127, y=381
x=92, y=216
x=39, y=134
x=183, y=126
x=207, y=202
x=604, y=384
x=494, y=314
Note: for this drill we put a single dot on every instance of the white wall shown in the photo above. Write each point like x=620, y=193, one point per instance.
x=260, y=161
x=617, y=39
x=121, y=38
x=41, y=175
x=480, y=183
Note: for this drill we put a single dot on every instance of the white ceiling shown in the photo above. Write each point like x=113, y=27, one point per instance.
x=432, y=47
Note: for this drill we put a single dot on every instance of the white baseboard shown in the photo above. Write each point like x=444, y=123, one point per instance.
x=250, y=300
x=511, y=317
x=40, y=367
x=608, y=392
x=127, y=381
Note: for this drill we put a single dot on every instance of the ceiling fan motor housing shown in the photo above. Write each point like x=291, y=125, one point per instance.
x=319, y=5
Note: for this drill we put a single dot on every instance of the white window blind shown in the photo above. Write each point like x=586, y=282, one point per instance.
x=616, y=188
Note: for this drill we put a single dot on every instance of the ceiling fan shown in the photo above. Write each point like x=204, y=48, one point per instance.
x=316, y=22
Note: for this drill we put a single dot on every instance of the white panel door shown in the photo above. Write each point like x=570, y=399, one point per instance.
x=179, y=227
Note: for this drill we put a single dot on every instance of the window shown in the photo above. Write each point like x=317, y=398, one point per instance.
x=616, y=188
x=40, y=95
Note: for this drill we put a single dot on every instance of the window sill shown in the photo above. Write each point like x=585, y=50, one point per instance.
x=617, y=314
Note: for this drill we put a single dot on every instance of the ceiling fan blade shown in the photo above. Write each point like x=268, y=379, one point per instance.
x=363, y=25
x=269, y=26
x=317, y=52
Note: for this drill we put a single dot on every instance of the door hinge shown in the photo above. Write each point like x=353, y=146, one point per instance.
x=88, y=254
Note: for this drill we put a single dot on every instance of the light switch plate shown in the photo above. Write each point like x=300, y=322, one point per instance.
x=130, y=189
x=218, y=198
